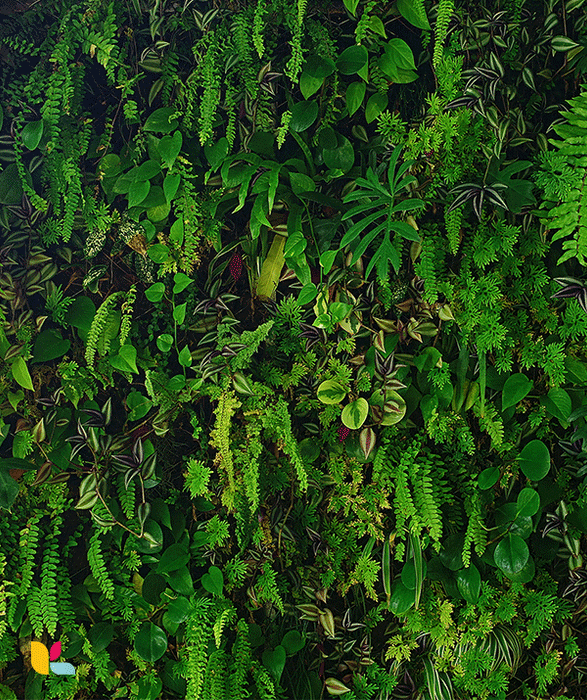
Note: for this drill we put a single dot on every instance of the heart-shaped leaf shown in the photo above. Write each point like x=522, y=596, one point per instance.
x=274, y=661
x=517, y=387
x=213, y=581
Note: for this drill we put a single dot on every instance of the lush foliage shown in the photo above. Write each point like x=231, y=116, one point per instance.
x=292, y=326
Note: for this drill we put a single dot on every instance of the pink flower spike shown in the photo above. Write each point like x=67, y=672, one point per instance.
x=55, y=651
x=236, y=265
x=343, y=431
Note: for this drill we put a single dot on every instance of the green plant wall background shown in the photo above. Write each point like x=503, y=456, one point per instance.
x=292, y=367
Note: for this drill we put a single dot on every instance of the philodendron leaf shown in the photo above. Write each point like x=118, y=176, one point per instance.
x=517, y=387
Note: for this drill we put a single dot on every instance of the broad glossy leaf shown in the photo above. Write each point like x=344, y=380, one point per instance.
x=151, y=642
x=352, y=60
x=535, y=460
x=511, y=554
x=303, y=115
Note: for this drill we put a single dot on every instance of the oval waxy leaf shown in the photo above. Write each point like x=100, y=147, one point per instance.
x=535, y=460
x=511, y=554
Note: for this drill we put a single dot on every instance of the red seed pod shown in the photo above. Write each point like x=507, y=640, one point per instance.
x=343, y=431
x=236, y=265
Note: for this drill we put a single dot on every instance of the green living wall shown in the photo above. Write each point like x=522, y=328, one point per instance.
x=292, y=349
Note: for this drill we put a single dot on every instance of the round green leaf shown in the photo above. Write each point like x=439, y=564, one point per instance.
x=81, y=313
x=303, y=115
x=164, y=342
x=155, y=292
x=340, y=158
x=292, y=642
x=170, y=185
x=517, y=387
x=352, y=60
x=138, y=405
x=355, y=414
x=469, y=583
x=217, y=152
x=153, y=586
x=451, y=554
x=110, y=165
x=153, y=542
x=185, y=357
x=158, y=252
x=309, y=450
x=145, y=171
x=309, y=86
x=150, y=642
x=535, y=460
x=100, y=635
x=169, y=148
x=416, y=17
x=558, y=403
x=528, y=502
x=21, y=373
x=488, y=478
x=318, y=67
x=511, y=554
x=526, y=574
x=408, y=574
x=355, y=93
x=31, y=134
x=159, y=121
x=179, y=609
x=307, y=294
x=137, y=192
x=173, y=558
x=331, y=391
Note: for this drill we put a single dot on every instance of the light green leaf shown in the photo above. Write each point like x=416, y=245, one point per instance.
x=272, y=267
x=355, y=414
x=21, y=373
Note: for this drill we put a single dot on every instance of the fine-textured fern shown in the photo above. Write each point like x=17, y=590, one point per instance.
x=98, y=566
x=101, y=322
x=445, y=11
x=563, y=179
